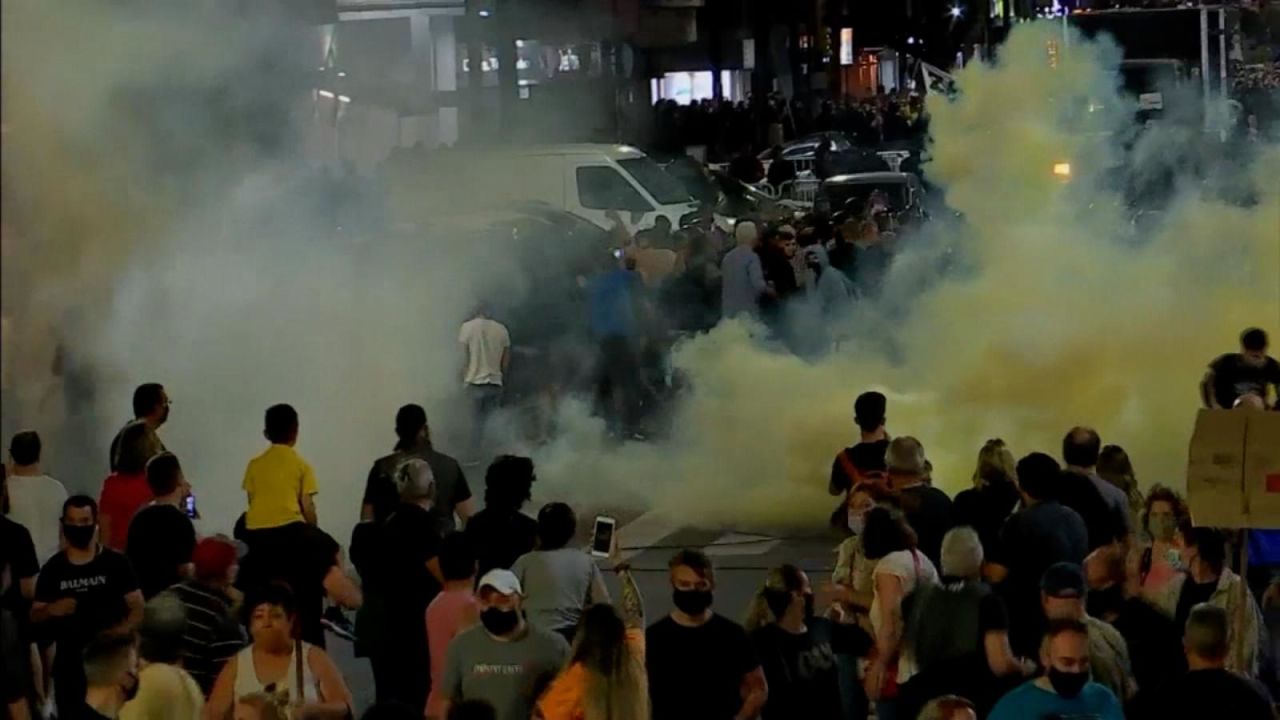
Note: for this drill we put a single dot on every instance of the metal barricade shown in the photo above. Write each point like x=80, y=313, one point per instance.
x=801, y=190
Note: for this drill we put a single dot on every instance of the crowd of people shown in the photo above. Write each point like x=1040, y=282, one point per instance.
x=1047, y=589
x=726, y=128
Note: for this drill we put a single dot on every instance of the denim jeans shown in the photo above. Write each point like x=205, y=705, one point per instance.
x=485, y=399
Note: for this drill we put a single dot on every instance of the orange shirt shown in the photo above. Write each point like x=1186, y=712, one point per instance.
x=563, y=698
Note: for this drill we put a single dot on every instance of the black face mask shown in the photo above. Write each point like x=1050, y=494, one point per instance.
x=808, y=606
x=499, y=622
x=1067, y=684
x=78, y=536
x=691, y=602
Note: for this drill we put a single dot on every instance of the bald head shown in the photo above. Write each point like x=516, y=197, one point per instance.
x=1250, y=401
x=1081, y=447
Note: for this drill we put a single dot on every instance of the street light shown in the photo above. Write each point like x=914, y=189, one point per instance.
x=956, y=11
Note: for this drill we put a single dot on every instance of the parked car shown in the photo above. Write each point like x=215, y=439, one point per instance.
x=903, y=192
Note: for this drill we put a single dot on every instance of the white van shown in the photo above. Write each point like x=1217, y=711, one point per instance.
x=591, y=181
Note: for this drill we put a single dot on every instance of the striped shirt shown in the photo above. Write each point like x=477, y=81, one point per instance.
x=212, y=635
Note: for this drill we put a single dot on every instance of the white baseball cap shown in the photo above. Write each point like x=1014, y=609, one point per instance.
x=504, y=581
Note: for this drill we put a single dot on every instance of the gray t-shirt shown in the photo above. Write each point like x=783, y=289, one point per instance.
x=510, y=675
x=742, y=282
x=557, y=585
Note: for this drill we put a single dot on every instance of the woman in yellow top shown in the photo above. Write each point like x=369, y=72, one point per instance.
x=605, y=678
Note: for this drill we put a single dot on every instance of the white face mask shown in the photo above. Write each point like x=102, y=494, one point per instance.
x=855, y=523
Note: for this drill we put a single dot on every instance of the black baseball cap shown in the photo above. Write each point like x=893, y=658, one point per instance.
x=1064, y=581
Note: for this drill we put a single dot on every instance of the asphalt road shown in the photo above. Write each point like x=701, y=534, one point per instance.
x=741, y=557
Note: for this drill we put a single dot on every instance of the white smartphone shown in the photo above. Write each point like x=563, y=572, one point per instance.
x=602, y=536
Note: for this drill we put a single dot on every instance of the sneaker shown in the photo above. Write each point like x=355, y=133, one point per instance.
x=338, y=624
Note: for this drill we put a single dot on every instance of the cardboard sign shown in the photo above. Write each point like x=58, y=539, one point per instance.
x=1233, y=469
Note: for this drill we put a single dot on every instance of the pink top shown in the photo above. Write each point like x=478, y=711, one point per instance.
x=444, y=621
x=1158, y=577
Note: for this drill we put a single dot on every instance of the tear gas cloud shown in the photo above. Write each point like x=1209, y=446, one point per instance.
x=1052, y=316
x=217, y=278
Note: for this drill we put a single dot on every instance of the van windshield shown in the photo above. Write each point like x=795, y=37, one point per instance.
x=664, y=188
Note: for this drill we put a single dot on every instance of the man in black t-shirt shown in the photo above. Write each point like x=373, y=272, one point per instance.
x=83, y=591
x=1248, y=372
x=453, y=495
x=1208, y=690
x=161, y=536
x=701, y=665
x=1041, y=534
x=798, y=649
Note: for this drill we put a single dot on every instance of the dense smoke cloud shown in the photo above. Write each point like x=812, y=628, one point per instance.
x=207, y=268
x=1052, y=313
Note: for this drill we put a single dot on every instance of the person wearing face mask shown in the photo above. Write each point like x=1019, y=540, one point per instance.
x=1152, y=639
x=701, y=665
x=798, y=650
x=83, y=591
x=161, y=536
x=278, y=668
x=504, y=660
x=1158, y=564
x=853, y=584
x=1065, y=690
x=1248, y=372
x=1203, y=552
x=1062, y=593
x=111, y=679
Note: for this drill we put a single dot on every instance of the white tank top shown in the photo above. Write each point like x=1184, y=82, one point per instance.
x=247, y=682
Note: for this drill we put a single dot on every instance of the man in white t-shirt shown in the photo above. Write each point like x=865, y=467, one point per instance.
x=486, y=347
x=35, y=499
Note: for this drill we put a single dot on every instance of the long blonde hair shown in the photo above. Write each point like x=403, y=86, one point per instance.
x=772, y=599
x=995, y=464
x=616, y=687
